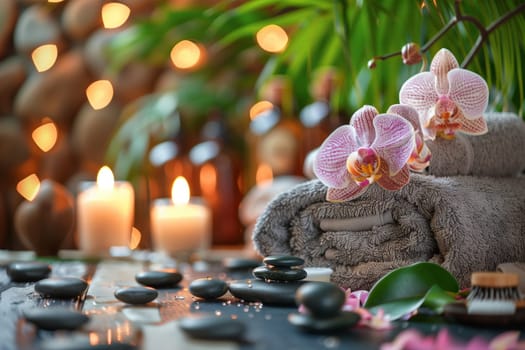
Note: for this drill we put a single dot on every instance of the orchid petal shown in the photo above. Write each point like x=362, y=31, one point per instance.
x=469, y=91
x=420, y=93
x=506, y=340
x=442, y=63
x=330, y=161
x=352, y=191
x=473, y=126
x=407, y=112
x=394, y=141
x=396, y=182
x=362, y=121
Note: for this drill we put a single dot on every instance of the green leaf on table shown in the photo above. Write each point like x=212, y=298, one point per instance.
x=405, y=289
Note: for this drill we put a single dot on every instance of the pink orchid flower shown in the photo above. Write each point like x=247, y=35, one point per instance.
x=372, y=148
x=420, y=157
x=448, y=98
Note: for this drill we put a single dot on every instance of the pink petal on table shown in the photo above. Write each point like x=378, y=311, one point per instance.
x=396, y=182
x=469, y=91
x=420, y=93
x=442, y=63
x=506, y=340
x=352, y=191
x=362, y=120
x=395, y=140
x=476, y=126
x=330, y=162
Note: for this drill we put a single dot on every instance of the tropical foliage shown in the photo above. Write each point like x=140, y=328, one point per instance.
x=345, y=34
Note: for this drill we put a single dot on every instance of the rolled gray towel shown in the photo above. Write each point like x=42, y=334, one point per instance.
x=464, y=223
x=499, y=152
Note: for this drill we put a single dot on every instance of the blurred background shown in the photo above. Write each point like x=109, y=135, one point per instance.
x=232, y=95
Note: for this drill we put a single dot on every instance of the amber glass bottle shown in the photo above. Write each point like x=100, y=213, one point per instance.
x=319, y=119
x=218, y=169
x=276, y=134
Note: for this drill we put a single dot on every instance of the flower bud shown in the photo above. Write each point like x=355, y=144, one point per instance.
x=411, y=53
x=372, y=63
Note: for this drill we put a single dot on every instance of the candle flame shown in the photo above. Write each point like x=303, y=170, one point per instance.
x=44, y=57
x=114, y=14
x=29, y=187
x=45, y=136
x=105, y=179
x=180, y=191
x=185, y=54
x=272, y=38
x=99, y=93
x=260, y=107
x=135, y=238
x=264, y=173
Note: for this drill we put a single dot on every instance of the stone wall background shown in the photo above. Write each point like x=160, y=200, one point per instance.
x=27, y=96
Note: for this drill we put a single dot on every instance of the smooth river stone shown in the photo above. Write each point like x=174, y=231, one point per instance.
x=279, y=273
x=28, y=271
x=136, y=295
x=283, y=260
x=212, y=327
x=55, y=318
x=237, y=264
x=208, y=288
x=311, y=324
x=62, y=288
x=159, y=278
x=321, y=299
x=275, y=293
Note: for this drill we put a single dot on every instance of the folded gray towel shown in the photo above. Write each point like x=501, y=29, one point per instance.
x=464, y=223
x=499, y=152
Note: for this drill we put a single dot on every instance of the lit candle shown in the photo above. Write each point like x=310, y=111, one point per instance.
x=105, y=214
x=179, y=226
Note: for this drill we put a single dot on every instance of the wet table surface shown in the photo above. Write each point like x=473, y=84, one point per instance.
x=116, y=325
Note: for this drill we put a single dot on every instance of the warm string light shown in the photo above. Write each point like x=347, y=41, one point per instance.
x=114, y=15
x=185, y=54
x=44, y=57
x=28, y=187
x=272, y=38
x=260, y=107
x=45, y=136
x=99, y=94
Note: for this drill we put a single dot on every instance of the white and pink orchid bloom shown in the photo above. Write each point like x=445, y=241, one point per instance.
x=448, y=98
x=372, y=148
x=421, y=155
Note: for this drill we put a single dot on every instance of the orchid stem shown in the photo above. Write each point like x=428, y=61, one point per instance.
x=460, y=17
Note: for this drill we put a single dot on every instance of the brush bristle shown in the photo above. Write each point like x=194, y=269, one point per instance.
x=493, y=293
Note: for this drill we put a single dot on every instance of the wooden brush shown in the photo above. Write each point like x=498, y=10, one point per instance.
x=493, y=293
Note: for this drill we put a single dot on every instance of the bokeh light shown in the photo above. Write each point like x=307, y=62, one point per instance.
x=185, y=54
x=99, y=94
x=44, y=57
x=45, y=136
x=114, y=14
x=272, y=38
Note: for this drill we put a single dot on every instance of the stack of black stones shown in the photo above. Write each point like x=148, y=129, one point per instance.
x=276, y=282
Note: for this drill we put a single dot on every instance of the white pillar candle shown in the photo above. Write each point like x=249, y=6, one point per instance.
x=105, y=214
x=180, y=226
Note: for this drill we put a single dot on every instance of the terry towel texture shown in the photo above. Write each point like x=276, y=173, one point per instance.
x=499, y=152
x=464, y=223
